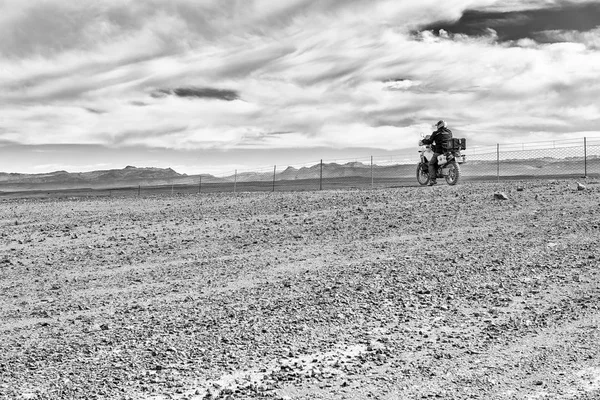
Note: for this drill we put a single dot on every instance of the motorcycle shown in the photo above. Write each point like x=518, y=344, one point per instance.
x=448, y=164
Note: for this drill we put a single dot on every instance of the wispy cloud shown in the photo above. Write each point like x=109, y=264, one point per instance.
x=591, y=38
x=202, y=93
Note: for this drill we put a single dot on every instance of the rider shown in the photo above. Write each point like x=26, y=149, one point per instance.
x=441, y=137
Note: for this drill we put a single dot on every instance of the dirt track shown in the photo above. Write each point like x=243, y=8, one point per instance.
x=333, y=295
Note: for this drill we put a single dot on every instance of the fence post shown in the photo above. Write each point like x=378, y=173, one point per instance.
x=139, y=190
x=585, y=157
x=371, y=172
x=172, y=189
x=274, y=172
x=321, y=177
x=200, y=184
x=498, y=162
x=235, y=182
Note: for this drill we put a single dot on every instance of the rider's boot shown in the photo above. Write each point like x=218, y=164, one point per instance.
x=432, y=182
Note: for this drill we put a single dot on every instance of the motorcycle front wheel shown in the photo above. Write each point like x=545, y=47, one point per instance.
x=422, y=174
x=453, y=173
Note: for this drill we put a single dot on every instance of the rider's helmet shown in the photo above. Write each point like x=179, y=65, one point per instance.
x=441, y=124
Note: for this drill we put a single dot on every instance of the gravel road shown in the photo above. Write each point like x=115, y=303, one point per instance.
x=356, y=294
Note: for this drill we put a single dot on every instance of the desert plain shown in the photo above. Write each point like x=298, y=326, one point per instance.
x=395, y=293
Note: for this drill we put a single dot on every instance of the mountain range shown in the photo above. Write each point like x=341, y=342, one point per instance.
x=128, y=176
x=133, y=176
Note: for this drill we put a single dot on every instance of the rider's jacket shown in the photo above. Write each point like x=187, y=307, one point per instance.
x=440, y=140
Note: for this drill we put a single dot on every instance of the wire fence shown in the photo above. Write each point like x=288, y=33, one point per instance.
x=326, y=174
x=552, y=159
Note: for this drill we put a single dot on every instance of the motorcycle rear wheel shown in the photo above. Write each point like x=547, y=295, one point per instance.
x=422, y=176
x=453, y=173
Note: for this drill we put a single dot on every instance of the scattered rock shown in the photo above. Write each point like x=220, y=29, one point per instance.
x=348, y=307
x=500, y=196
x=580, y=186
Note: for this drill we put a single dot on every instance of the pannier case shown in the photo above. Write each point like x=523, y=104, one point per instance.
x=459, y=144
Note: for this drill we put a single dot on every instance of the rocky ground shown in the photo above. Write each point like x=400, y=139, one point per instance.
x=306, y=295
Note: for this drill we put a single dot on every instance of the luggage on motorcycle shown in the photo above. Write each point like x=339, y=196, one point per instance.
x=457, y=144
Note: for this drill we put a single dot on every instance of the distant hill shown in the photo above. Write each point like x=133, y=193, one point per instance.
x=128, y=176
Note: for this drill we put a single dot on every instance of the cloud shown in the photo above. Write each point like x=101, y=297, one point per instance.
x=515, y=24
x=94, y=110
x=52, y=27
x=202, y=93
x=401, y=84
x=146, y=135
x=591, y=38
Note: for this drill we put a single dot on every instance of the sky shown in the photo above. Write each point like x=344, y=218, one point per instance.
x=208, y=86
